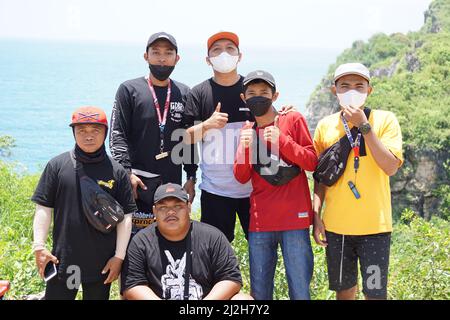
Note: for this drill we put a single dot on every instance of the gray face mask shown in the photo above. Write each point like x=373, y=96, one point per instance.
x=259, y=105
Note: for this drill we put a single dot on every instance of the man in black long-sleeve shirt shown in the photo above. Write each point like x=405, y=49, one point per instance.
x=146, y=112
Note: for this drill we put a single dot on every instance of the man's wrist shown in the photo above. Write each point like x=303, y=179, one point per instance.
x=192, y=178
x=205, y=125
x=38, y=247
x=120, y=256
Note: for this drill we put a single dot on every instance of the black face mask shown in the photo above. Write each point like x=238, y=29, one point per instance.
x=161, y=72
x=94, y=157
x=259, y=105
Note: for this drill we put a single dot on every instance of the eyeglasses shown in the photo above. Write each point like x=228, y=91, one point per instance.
x=165, y=209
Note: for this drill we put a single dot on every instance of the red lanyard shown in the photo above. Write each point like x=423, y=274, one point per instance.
x=162, y=120
x=355, y=144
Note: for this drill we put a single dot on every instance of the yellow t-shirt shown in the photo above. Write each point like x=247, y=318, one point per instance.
x=372, y=213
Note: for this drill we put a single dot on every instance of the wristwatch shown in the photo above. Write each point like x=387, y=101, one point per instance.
x=365, y=128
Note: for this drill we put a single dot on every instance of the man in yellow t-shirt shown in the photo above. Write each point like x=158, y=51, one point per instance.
x=356, y=223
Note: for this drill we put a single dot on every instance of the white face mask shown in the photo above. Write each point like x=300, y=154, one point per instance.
x=224, y=63
x=352, y=98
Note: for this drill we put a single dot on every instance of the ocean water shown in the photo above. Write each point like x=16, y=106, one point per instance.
x=42, y=82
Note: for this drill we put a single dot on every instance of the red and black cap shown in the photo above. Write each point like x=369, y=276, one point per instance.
x=89, y=115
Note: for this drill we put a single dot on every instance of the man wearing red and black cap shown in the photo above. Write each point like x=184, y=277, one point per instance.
x=146, y=112
x=82, y=254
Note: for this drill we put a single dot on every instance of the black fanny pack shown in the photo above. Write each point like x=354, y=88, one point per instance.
x=332, y=161
x=276, y=174
x=101, y=210
x=275, y=171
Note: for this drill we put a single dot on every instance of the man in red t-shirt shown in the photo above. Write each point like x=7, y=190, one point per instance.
x=274, y=154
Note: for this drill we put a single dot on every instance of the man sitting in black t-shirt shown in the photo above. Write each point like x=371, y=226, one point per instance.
x=82, y=254
x=157, y=262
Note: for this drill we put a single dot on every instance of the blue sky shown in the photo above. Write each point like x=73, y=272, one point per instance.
x=283, y=23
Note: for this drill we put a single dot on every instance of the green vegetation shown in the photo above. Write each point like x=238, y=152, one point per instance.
x=420, y=268
x=16, y=232
x=438, y=17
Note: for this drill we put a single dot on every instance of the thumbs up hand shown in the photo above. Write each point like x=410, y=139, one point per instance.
x=218, y=119
x=272, y=133
x=247, y=134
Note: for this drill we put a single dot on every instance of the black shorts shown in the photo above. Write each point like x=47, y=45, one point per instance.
x=57, y=289
x=372, y=251
x=220, y=212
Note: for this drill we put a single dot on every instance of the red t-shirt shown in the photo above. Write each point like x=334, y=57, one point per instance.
x=286, y=207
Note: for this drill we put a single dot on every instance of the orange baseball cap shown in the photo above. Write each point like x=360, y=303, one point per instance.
x=89, y=114
x=223, y=35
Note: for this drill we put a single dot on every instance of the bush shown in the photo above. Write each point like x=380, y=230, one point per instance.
x=420, y=265
x=16, y=234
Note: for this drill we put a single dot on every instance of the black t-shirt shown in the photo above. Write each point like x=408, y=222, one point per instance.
x=202, y=101
x=135, y=134
x=75, y=241
x=160, y=264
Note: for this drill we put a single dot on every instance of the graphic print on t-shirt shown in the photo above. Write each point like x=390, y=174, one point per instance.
x=173, y=280
x=176, y=111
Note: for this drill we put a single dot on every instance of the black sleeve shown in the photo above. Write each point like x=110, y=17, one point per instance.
x=125, y=193
x=224, y=262
x=120, y=126
x=134, y=270
x=45, y=192
x=190, y=161
x=191, y=158
x=192, y=109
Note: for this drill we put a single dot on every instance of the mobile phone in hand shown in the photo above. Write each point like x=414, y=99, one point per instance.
x=50, y=271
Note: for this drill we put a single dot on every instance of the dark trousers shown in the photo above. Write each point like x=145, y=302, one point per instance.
x=57, y=289
x=220, y=212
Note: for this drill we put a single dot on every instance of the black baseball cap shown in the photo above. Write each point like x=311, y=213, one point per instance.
x=161, y=35
x=260, y=75
x=170, y=190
